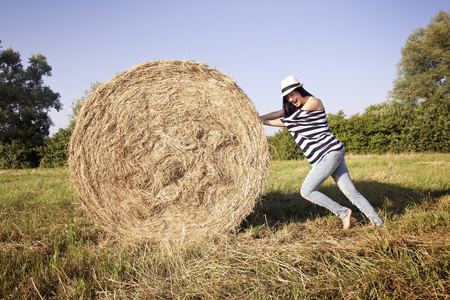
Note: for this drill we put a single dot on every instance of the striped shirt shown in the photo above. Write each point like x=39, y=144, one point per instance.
x=311, y=132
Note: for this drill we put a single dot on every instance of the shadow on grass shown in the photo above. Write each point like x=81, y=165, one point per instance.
x=278, y=208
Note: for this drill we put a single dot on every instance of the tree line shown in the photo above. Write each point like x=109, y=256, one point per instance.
x=414, y=119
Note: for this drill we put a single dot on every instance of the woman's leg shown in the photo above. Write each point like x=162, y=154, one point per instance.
x=318, y=174
x=343, y=180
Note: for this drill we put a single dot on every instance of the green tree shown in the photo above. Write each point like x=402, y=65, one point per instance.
x=422, y=82
x=424, y=67
x=24, y=105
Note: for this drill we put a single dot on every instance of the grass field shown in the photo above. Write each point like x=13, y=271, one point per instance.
x=287, y=248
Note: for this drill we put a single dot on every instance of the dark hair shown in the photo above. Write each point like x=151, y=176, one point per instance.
x=290, y=108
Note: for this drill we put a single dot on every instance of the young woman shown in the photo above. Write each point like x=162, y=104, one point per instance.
x=305, y=118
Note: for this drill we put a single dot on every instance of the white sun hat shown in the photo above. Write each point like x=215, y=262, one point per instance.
x=289, y=84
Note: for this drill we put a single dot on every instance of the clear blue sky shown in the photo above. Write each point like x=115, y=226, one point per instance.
x=345, y=52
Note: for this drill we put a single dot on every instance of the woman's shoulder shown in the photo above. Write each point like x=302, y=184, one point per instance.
x=313, y=103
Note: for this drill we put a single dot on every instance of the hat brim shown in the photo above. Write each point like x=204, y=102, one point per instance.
x=290, y=90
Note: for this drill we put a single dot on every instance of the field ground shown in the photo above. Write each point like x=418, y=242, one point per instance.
x=287, y=248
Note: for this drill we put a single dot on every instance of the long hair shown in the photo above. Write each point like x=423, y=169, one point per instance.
x=290, y=108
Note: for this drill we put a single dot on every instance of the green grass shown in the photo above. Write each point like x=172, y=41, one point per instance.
x=287, y=248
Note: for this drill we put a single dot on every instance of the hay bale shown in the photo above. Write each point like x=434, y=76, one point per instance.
x=168, y=149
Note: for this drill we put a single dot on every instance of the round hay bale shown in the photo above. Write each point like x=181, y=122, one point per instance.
x=168, y=149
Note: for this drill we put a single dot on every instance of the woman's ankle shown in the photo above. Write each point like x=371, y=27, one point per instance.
x=346, y=220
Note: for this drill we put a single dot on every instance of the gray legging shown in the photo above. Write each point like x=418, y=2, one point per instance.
x=333, y=164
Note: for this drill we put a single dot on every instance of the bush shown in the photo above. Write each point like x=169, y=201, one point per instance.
x=54, y=152
x=17, y=156
x=283, y=146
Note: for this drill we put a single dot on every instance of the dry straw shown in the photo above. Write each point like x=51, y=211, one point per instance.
x=168, y=149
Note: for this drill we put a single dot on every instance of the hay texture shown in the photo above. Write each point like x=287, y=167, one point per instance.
x=168, y=149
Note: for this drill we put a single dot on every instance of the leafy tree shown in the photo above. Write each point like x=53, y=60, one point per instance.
x=24, y=105
x=422, y=82
x=424, y=67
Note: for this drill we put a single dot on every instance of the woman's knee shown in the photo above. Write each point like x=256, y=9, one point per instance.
x=305, y=192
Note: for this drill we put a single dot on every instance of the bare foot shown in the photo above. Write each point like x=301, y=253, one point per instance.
x=346, y=220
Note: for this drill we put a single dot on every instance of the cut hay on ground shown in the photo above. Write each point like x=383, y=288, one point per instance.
x=168, y=149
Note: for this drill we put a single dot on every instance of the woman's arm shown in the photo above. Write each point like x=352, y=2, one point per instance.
x=272, y=119
x=273, y=115
x=275, y=122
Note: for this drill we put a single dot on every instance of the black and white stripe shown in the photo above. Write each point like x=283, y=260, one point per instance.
x=311, y=132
